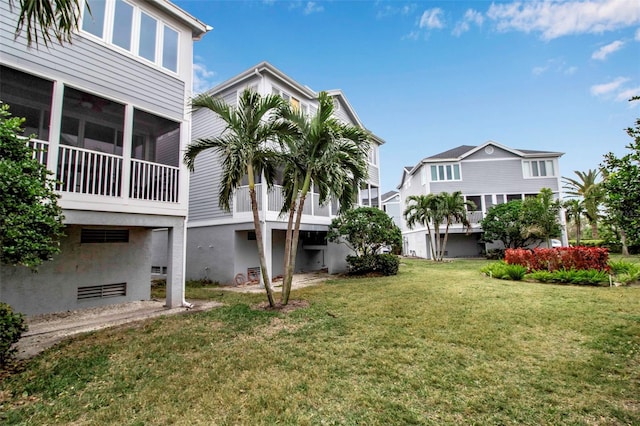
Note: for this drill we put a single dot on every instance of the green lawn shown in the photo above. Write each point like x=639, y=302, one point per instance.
x=437, y=344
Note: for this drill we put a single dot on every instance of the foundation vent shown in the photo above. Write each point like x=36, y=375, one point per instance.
x=89, y=235
x=102, y=291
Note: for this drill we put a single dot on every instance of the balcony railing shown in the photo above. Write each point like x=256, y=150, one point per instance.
x=89, y=172
x=472, y=217
x=243, y=201
x=154, y=182
x=275, y=201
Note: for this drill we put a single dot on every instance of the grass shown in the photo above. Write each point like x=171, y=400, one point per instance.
x=437, y=344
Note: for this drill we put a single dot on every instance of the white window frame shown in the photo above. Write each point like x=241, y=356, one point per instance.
x=134, y=51
x=304, y=107
x=445, y=177
x=372, y=155
x=529, y=171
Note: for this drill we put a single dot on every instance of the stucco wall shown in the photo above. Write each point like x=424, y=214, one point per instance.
x=54, y=287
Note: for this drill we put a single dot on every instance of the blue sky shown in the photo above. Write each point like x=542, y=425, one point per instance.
x=428, y=76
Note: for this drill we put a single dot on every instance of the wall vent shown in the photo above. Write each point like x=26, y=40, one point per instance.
x=158, y=269
x=102, y=291
x=89, y=235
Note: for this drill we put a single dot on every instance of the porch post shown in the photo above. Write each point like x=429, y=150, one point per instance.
x=175, y=265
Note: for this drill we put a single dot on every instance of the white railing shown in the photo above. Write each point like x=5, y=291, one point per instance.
x=89, y=172
x=320, y=210
x=40, y=149
x=243, y=201
x=154, y=182
x=275, y=199
x=472, y=217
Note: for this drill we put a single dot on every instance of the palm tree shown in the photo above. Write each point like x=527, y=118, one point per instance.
x=587, y=187
x=246, y=149
x=324, y=153
x=422, y=209
x=41, y=18
x=453, y=208
x=539, y=216
x=574, y=209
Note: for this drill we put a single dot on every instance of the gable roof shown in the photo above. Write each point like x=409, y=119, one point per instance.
x=387, y=195
x=198, y=28
x=265, y=67
x=463, y=151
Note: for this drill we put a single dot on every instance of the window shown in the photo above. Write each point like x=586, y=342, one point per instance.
x=538, y=168
x=123, y=25
x=128, y=27
x=28, y=97
x=476, y=200
x=369, y=195
x=93, y=22
x=91, y=122
x=294, y=102
x=155, y=139
x=373, y=154
x=445, y=172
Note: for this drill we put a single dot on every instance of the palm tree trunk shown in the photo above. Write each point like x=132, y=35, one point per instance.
x=296, y=235
x=444, y=241
x=286, y=287
x=432, y=250
x=594, y=230
x=258, y=229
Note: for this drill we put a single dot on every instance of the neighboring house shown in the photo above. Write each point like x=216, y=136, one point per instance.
x=221, y=244
x=488, y=174
x=391, y=205
x=110, y=118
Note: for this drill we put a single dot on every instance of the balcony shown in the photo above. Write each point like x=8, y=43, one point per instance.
x=275, y=201
x=93, y=173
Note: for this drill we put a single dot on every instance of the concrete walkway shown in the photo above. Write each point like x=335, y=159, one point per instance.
x=48, y=329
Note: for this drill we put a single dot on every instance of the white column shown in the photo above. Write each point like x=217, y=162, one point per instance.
x=127, y=141
x=55, y=124
x=175, y=265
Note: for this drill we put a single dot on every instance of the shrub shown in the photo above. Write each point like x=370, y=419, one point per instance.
x=360, y=265
x=623, y=267
x=387, y=264
x=559, y=258
x=12, y=326
x=495, y=254
x=503, y=271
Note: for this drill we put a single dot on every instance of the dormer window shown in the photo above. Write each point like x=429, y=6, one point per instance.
x=295, y=103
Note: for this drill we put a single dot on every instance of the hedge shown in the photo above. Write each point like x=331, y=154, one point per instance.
x=554, y=259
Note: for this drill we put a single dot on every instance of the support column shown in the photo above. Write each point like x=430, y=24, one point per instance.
x=175, y=265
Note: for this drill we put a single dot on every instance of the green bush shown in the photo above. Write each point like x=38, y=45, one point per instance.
x=623, y=267
x=360, y=265
x=495, y=254
x=503, y=271
x=387, y=264
x=571, y=276
x=12, y=326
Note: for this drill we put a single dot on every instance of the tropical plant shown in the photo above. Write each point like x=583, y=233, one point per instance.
x=622, y=188
x=323, y=154
x=422, y=210
x=30, y=217
x=245, y=148
x=587, y=187
x=540, y=216
x=453, y=209
x=12, y=326
x=574, y=210
x=364, y=230
x=42, y=18
x=503, y=222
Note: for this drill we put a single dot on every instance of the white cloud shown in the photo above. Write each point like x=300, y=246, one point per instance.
x=637, y=37
x=389, y=10
x=312, y=7
x=557, y=65
x=607, y=88
x=431, y=19
x=605, y=51
x=627, y=94
x=555, y=19
x=202, y=78
x=470, y=17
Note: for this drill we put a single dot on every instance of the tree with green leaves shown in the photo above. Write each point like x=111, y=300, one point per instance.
x=42, y=18
x=574, y=210
x=422, y=210
x=30, y=217
x=365, y=231
x=587, y=187
x=323, y=154
x=246, y=149
x=503, y=222
x=622, y=188
x=540, y=216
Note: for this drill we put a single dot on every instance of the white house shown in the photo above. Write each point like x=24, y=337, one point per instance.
x=391, y=206
x=110, y=115
x=487, y=174
x=221, y=244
